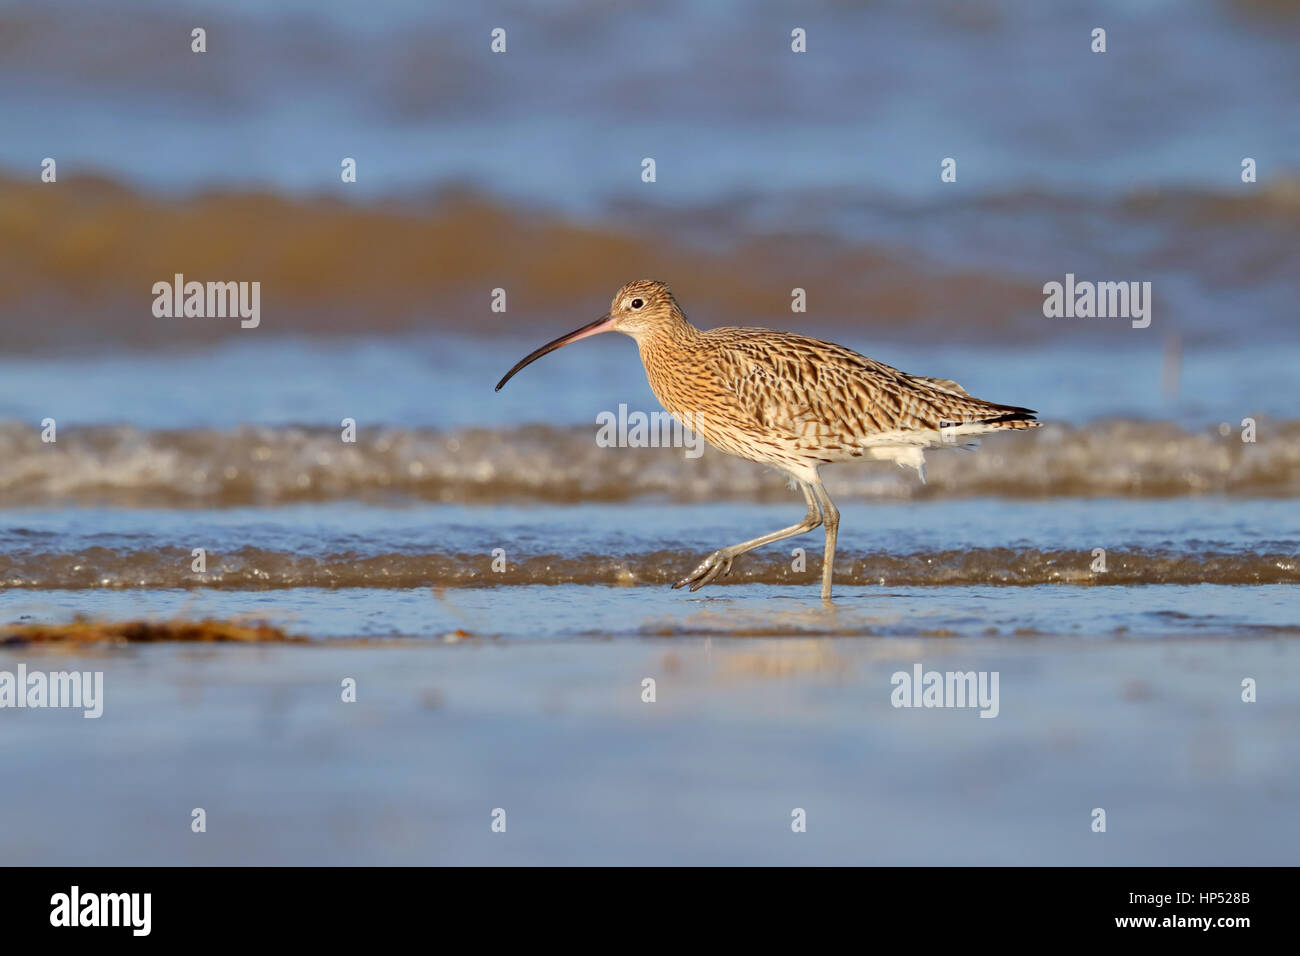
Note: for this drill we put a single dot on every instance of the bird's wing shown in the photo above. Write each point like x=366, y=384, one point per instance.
x=809, y=389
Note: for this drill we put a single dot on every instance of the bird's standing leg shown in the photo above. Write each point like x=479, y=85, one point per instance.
x=831, y=515
x=719, y=562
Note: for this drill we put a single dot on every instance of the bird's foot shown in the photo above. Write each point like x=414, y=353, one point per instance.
x=715, y=565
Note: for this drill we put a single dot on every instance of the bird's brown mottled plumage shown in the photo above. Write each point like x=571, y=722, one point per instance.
x=790, y=401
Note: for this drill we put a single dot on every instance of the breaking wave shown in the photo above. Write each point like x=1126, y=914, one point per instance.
x=257, y=568
x=122, y=466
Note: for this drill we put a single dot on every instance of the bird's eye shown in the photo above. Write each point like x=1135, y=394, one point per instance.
x=637, y=303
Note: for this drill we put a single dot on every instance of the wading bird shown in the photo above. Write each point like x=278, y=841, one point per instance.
x=788, y=401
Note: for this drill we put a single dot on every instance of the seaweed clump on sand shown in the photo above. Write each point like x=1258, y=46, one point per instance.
x=86, y=631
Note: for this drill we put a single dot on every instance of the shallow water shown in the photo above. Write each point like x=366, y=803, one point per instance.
x=741, y=734
x=954, y=567
x=573, y=611
x=1179, y=525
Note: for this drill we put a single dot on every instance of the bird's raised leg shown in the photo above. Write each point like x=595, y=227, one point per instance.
x=719, y=562
x=831, y=516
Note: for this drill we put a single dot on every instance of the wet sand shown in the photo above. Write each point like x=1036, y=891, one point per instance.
x=742, y=732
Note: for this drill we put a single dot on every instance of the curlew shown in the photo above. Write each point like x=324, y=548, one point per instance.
x=788, y=401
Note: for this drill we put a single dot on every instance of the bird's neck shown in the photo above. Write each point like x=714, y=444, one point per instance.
x=674, y=334
x=665, y=351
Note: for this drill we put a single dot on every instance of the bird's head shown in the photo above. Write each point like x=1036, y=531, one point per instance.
x=641, y=306
x=636, y=310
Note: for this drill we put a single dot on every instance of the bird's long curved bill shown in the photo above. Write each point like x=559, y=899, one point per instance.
x=603, y=324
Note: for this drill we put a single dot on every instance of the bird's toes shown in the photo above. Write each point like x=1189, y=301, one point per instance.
x=693, y=576
x=710, y=568
x=707, y=570
x=701, y=582
x=719, y=570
